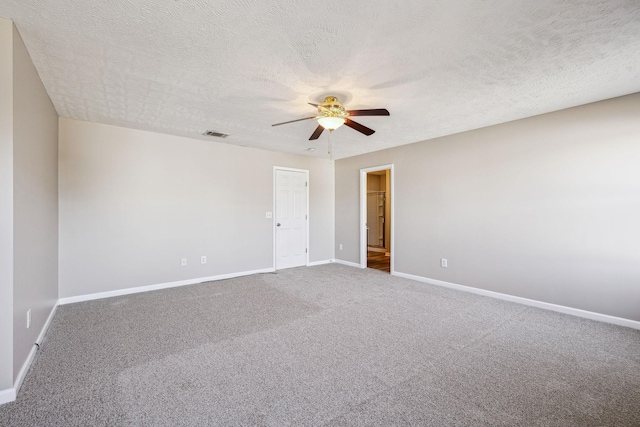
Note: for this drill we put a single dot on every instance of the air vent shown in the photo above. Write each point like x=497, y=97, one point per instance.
x=215, y=133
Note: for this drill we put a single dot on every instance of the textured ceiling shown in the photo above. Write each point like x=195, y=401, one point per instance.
x=440, y=67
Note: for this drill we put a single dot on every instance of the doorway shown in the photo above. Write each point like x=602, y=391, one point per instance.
x=376, y=223
x=291, y=222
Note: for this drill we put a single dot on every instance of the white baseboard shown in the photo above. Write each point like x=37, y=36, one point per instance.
x=27, y=363
x=7, y=395
x=530, y=302
x=349, y=263
x=139, y=289
x=324, y=261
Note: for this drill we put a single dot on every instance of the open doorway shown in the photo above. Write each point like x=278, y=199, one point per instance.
x=376, y=236
x=378, y=213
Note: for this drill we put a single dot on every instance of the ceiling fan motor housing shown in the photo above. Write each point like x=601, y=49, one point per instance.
x=331, y=107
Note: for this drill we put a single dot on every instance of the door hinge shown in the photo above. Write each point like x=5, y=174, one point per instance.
x=306, y=184
x=306, y=217
x=306, y=250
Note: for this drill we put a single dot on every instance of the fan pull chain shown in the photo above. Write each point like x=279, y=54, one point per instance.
x=330, y=150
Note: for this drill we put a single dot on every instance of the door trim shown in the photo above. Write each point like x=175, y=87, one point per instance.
x=363, y=214
x=273, y=221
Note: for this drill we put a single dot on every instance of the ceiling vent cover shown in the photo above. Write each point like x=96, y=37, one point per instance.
x=216, y=134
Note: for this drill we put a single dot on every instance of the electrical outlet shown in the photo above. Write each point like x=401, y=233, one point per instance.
x=340, y=246
x=269, y=215
x=183, y=262
x=443, y=262
x=203, y=259
x=28, y=318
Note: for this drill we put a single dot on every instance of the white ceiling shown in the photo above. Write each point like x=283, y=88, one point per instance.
x=440, y=67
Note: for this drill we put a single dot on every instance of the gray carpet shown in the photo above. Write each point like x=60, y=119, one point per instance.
x=328, y=345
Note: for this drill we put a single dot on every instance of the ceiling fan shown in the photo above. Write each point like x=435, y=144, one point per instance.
x=332, y=115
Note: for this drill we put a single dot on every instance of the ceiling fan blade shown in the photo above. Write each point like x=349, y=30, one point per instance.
x=316, y=133
x=292, y=121
x=371, y=112
x=315, y=105
x=357, y=126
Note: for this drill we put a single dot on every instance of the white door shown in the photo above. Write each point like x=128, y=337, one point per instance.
x=291, y=218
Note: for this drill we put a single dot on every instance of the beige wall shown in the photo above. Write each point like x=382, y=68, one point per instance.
x=133, y=203
x=544, y=208
x=29, y=205
x=35, y=156
x=373, y=182
x=6, y=204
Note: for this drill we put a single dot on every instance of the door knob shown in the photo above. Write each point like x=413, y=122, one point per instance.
x=278, y=225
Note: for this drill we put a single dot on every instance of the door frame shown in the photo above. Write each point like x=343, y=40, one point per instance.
x=363, y=213
x=273, y=220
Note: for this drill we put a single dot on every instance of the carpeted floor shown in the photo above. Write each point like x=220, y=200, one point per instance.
x=328, y=345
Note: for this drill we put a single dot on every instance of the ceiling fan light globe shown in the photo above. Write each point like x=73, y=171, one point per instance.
x=331, y=123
